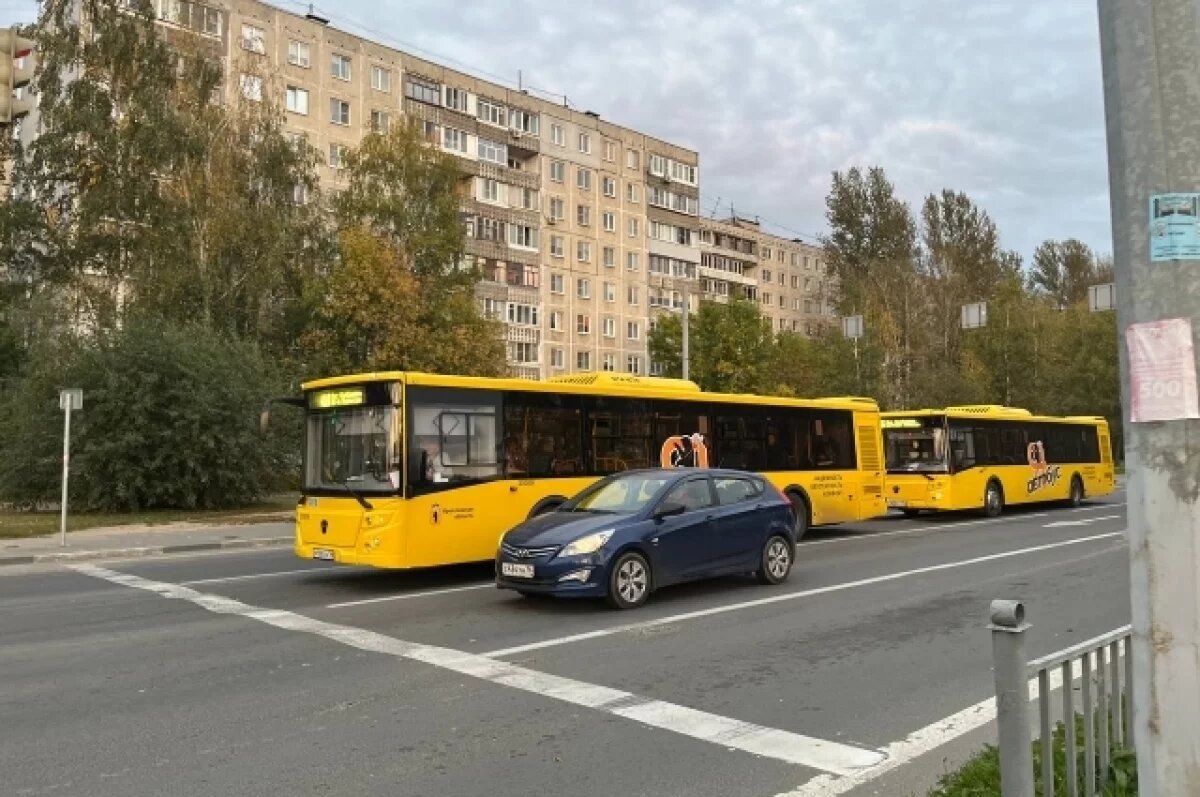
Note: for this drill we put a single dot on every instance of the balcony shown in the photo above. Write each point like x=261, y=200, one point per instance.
x=516, y=334
x=727, y=276
x=525, y=371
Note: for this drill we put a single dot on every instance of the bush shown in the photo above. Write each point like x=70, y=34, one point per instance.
x=170, y=420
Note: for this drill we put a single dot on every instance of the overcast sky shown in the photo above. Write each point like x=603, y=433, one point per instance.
x=998, y=98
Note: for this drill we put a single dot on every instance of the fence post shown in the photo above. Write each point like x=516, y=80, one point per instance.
x=1010, y=665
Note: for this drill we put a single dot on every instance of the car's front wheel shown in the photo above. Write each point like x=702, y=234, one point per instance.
x=777, y=557
x=629, y=581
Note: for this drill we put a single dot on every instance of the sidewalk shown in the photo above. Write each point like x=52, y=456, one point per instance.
x=128, y=541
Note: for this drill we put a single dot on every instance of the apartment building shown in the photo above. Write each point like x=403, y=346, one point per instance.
x=580, y=226
x=787, y=277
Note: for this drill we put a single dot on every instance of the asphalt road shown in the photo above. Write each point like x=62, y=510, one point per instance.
x=255, y=673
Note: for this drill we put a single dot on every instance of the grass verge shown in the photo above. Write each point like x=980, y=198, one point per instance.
x=15, y=524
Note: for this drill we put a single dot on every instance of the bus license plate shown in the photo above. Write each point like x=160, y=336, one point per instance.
x=323, y=553
x=516, y=570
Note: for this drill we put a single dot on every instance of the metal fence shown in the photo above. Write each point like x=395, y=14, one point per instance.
x=1104, y=712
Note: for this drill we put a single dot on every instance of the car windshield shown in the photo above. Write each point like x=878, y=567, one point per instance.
x=624, y=494
x=915, y=445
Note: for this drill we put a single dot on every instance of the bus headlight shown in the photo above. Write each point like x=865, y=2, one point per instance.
x=586, y=545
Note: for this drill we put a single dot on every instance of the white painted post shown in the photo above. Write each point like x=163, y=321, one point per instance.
x=70, y=399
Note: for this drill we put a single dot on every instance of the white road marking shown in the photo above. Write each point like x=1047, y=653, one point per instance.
x=250, y=576
x=789, y=596
x=926, y=740
x=406, y=595
x=792, y=748
x=1082, y=522
x=869, y=535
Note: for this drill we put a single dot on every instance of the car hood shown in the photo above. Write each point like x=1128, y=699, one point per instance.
x=559, y=528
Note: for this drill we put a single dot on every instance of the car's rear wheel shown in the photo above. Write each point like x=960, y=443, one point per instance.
x=993, y=500
x=1077, y=493
x=777, y=557
x=629, y=581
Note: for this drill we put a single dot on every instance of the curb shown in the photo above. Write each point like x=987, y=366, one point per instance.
x=121, y=553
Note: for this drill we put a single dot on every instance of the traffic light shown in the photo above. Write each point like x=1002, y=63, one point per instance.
x=13, y=48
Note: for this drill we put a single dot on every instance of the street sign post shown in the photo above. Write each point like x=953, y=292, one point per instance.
x=68, y=400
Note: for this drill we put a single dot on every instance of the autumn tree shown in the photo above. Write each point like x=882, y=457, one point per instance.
x=401, y=294
x=1063, y=271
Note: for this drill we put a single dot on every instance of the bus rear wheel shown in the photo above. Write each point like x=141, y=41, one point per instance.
x=1077, y=494
x=993, y=500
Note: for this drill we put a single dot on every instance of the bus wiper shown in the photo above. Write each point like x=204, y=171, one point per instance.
x=362, y=501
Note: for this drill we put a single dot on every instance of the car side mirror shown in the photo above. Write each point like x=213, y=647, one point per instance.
x=669, y=509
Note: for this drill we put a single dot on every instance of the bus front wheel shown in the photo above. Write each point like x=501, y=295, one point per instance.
x=993, y=500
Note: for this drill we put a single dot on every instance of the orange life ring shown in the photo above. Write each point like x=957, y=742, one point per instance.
x=676, y=450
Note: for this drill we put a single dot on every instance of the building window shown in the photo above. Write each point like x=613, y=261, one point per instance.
x=557, y=208
x=525, y=315
x=254, y=39
x=422, y=91
x=583, y=215
x=795, y=282
x=557, y=136
x=557, y=249
x=583, y=179
x=339, y=66
x=523, y=121
x=633, y=364
x=782, y=277
x=556, y=321
x=610, y=221
x=381, y=79
x=632, y=295
x=610, y=292
x=492, y=114
x=610, y=151
x=610, y=257
x=252, y=87
x=583, y=360
x=610, y=327
x=492, y=152
x=632, y=161
x=610, y=186
x=583, y=288
x=766, y=275
x=609, y=362
x=297, y=100
x=658, y=165
x=558, y=171
x=633, y=330
x=683, y=172
x=337, y=156
x=523, y=352
x=522, y=236
x=583, y=324
x=631, y=261
x=456, y=99
x=300, y=194
x=381, y=122
x=298, y=54
x=556, y=280
x=527, y=199
x=585, y=143
x=556, y=358
x=429, y=131
x=489, y=190
x=766, y=298
x=583, y=252
x=493, y=309
x=633, y=228
x=454, y=140
x=782, y=302
x=339, y=111
x=766, y=255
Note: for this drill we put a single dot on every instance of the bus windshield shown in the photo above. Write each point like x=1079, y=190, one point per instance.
x=915, y=445
x=355, y=449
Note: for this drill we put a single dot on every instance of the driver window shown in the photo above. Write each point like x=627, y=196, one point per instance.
x=693, y=494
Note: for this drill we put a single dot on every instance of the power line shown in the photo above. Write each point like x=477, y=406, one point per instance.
x=763, y=221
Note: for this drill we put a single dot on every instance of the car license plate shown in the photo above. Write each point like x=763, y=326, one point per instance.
x=323, y=553
x=516, y=570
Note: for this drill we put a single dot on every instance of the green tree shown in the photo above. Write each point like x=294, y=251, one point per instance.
x=813, y=367
x=1063, y=271
x=169, y=421
x=871, y=250
x=730, y=346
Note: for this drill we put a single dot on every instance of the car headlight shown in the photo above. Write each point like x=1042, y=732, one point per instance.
x=589, y=544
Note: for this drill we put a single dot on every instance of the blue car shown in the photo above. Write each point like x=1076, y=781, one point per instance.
x=636, y=531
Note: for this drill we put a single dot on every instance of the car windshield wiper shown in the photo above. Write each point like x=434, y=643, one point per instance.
x=362, y=501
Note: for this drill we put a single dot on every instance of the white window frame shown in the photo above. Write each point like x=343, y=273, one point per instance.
x=492, y=151
x=296, y=100
x=557, y=247
x=558, y=208
x=631, y=193
x=610, y=293
x=610, y=221
x=632, y=262
x=583, y=324
x=558, y=171
x=340, y=67
x=337, y=155
x=608, y=256
x=609, y=327
x=251, y=87
x=381, y=78
x=585, y=143
x=583, y=215
x=633, y=364
x=556, y=321
x=634, y=228
x=558, y=283
x=557, y=358
x=633, y=330
x=632, y=159
x=522, y=236
x=583, y=179
x=609, y=186
x=458, y=137
x=583, y=360
x=491, y=113
x=583, y=286
x=557, y=135
x=299, y=54
x=381, y=121
x=340, y=105
x=632, y=296
x=610, y=151
x=254, y=39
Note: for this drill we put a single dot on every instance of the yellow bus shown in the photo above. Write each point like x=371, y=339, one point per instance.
x=409, y=470
x=986, y=457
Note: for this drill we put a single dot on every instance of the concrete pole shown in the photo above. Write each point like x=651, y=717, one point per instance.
x=1009, y=663
x=1150, y=50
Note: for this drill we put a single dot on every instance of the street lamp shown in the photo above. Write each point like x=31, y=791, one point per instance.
x=852, y=328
